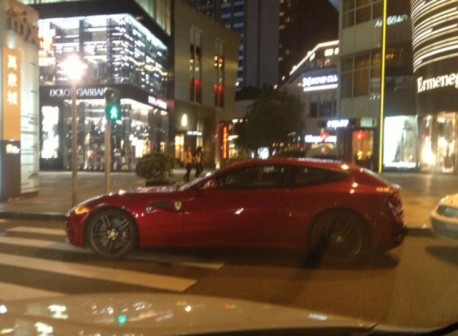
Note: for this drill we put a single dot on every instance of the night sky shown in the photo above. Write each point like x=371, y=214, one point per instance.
x=320, y=22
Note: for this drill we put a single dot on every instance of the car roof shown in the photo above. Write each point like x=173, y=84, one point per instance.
x=309, y=162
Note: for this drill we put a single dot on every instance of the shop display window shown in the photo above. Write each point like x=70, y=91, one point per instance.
x=400, y=148
x=438, y=142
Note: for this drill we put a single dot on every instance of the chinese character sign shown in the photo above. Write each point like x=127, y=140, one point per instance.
x=11, y=94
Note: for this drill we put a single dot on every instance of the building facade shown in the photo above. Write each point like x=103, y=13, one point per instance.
x=257, y=23
x=376, y=87
x=435, y=59
x=159, y=56
x=204, y=82
x=19, y=126
x=121, y=53
x=315, y=81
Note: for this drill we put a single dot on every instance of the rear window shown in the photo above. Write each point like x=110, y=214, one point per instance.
x=306, y=176
x=366, y=176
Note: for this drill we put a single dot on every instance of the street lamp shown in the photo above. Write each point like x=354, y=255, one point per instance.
x=74, y=69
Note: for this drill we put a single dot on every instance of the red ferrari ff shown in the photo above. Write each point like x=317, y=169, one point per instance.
x=327, y=208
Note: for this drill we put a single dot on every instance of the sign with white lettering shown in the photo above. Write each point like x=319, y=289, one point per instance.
x=428, y=84
x=157, y=102
x=392, y=20
x=339, y=123
x=81, y=93
x=320, y=82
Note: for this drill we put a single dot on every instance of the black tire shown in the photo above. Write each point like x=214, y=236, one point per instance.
x=338, y=237
x=111, y=233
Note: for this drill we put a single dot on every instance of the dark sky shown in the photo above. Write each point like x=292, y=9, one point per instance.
x=320, y=22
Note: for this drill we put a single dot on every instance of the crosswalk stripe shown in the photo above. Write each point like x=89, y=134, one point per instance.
x=50, y=244
x=60, y=246
x=51, y=232
x=169, y=283
x=16, y=292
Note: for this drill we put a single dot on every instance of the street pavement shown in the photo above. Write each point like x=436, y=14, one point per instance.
x=420, y=193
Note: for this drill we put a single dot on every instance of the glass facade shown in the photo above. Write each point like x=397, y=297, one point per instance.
x=120, y=53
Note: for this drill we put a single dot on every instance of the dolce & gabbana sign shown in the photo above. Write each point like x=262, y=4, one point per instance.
x=81, y=93
x=438, y=82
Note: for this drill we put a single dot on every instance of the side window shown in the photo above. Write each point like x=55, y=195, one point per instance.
x=260, y=177
x=306, y=177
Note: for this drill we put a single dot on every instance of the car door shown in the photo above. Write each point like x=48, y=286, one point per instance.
x=247, y=207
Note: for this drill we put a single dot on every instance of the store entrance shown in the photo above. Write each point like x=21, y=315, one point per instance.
x=363, y=148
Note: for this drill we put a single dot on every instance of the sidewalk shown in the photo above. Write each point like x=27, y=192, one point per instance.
x=54, y=198
x=420, y=193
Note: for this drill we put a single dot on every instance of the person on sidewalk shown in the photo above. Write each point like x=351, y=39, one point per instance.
x=199, y=161
x=188, y=162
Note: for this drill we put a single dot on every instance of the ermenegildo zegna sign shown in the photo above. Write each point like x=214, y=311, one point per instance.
x=438, y=82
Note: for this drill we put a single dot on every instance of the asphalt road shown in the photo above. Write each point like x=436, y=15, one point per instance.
x=412, y=285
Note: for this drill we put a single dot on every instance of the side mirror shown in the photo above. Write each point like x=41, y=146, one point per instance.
x=210, y=185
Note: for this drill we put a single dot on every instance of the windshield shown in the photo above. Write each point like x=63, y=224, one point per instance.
x=291, y=153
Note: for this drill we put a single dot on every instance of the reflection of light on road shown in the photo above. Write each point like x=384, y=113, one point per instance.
x=318, y=316
x=239, y=211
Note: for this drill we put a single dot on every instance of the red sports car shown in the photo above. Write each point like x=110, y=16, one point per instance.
x=327, y=208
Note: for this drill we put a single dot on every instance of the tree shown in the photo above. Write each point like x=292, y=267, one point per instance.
x=271, y=120
x=155, y=168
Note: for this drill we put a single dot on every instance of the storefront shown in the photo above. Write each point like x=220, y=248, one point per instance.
x=436, y=78
x=19, y=170
x=142, y=128
x=120, y=54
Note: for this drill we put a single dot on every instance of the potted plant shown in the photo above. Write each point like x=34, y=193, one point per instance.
x=156, y=168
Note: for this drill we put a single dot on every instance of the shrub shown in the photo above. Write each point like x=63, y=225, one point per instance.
x=155, y=166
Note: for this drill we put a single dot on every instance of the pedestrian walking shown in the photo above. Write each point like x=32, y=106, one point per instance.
x=188, y=162
x=199, y=161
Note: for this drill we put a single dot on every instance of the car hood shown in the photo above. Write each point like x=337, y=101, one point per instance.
x=158, y=314
x=450, y=201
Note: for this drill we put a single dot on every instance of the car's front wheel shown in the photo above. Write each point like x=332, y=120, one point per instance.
x=339, y=237
x=111, y=233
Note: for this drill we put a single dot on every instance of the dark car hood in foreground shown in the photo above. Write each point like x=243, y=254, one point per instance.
x=163, y=314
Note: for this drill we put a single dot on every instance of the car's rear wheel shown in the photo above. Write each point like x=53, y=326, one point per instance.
x=339, y=237
x=111, y=233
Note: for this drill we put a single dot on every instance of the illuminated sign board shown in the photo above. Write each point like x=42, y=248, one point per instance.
x=225, y=142
x=313, y=139
x=340, y=123
x=324, y=82
x=12, y=94
x=82, y=93
x=157, y=102
x=428, y=84
x=392, y=20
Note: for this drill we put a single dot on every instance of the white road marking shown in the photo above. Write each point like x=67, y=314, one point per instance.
x=61, y=246
x=51, y=232
x=99, y=273
x=9, y=292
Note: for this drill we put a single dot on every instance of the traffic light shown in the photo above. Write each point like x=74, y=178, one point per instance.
x=112, y=104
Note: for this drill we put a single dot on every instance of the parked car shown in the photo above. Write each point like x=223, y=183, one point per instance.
x=327, y=208
x=444, y=218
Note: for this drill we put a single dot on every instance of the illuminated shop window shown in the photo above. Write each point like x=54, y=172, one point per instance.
x=117, y=49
